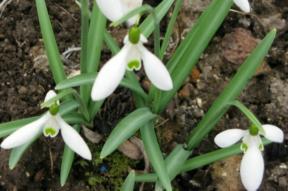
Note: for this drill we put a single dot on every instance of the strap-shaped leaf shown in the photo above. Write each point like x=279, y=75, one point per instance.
x=190, y=50
x=199, y=161
x=154, y=153
x=9, y=127
x=17, y=153
x=125, y=129
x=129, y=182
x=148, y=26
x=232, y=91
x=53, y=54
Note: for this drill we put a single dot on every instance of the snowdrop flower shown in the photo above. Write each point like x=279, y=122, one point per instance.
x=116, y=9
x=252, y=164
x=243, y=5
x=130, y=57
x=49, y=124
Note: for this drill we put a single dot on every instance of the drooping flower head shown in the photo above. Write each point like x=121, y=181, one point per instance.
x=49, y=124
x=130, y=57
x=116, y=9
x=244, y=5
x=252, y=164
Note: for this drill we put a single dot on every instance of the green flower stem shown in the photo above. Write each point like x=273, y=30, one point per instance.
x=253, y=119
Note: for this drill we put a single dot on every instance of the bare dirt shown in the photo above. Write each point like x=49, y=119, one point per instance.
x=25, y=78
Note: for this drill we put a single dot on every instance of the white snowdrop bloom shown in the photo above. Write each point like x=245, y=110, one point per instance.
x=130, y=57
x=49, y=124
x=252, y=164
x=116, y=9
x=244, y=5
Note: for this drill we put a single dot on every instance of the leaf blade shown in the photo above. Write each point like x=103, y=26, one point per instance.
x=125, y=129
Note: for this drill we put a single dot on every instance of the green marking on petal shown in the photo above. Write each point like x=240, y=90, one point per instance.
x=50, y=132
x=261, y=147
x=134, y=65
x=244, y=147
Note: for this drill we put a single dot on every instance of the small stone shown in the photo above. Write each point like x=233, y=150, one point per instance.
x=195, y=74
x=22, y=90
x=283, y=182
x=185, y=92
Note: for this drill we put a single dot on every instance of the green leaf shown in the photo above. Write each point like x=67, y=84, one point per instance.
x=9, y=127
x=125, y=129
x=176, y=159
x=95, y=43
x=17, y=153
x=138, y=11
x=190, y=50
x=84, y=90
x=68, y=106
x=148, y=25
x=170, y=27
x=199, y=161
x=230, y=93
x=129, y=182
x=67, y=161
x=154, y=153
x=52, y=51
x=95, y=39
x=82, y=79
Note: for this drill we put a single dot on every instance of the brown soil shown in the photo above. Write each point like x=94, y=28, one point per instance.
x=25, y=80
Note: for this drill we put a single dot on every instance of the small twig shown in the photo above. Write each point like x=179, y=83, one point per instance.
x=67, y=53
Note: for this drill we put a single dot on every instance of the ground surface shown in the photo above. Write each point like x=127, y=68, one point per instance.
x=25, y=78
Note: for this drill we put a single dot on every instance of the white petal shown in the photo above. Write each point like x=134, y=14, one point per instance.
x=229, y=137
x=133, y=55
x=143, y=39
x=129, y=5
x=252, y=168
x=273, y=133
x=156, y=70
x=112, y=9
x=51, y=123
x=73, y=140
x=110, y=76
x=25, y=133
x=50, y=94
x=243, y=5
